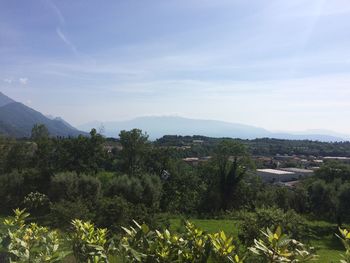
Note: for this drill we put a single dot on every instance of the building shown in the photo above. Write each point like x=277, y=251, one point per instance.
x=337, y=158
x=299, y=172
x=275, y=175
x=283, y=175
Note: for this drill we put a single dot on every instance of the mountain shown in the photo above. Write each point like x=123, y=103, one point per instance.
x=4, y=100
x=157, y=127
x=17, y=120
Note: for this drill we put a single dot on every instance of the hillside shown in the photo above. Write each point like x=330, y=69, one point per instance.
x=17, y=120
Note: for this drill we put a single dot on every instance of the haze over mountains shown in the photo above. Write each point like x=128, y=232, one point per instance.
x=156, y=127
x=17, y=120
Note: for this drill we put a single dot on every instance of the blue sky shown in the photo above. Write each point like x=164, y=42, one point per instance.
x=281, y=65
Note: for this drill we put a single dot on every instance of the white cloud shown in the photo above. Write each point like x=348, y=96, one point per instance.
x=8, y=81
x=63, y=37
x=23, y=81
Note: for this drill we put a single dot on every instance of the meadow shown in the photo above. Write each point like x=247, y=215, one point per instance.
x=327, y=245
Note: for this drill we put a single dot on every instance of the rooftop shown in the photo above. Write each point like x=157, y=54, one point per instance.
x=297, y=170
x=274, y=171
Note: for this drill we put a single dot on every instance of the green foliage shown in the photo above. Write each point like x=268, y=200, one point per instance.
x=323, y=199
x=134, y=148
x=277, y=247
x=62, y=212
x=32, y=243
x=143, y=189
x=292, y=223
x=37, y=203
x=15, y=186
x=89, y=243
x=39, y=132
x=140, y=244
x=35, y=200
x=230, y=164
x=345, y=238
x=71, y=186
x=183, y=189
x=113, y=212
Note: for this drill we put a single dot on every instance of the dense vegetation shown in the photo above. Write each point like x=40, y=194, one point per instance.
x=263, y=146
x=113, y=182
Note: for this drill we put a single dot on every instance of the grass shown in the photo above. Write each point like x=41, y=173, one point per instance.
x=328, y=247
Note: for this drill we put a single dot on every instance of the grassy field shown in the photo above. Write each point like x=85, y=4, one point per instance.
x=327, y=245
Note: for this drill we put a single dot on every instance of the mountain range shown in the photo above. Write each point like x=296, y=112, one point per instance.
x=17, y=120
x=157, y=126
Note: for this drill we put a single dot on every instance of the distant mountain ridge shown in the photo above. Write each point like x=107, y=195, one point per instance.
x=17, y=120
x=159, y=126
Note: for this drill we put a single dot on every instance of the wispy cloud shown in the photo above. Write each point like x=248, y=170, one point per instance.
x=8, y=81
x=57, y=11
x=23, y=81
x=63, y=37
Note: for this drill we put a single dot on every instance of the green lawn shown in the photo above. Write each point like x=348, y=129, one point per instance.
x=327, y=245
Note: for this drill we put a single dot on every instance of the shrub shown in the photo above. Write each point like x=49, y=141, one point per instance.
x=15, y=186
x=70, y=186
x=63, y=212
x=113, y=212
x=143, y=189
x=140, y=244
x=32, y=243
x=89, y=243
x=277, y=247
x=292, y=223
x=37, y=203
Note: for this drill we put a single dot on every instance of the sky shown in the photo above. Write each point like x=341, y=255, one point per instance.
x=281, y=65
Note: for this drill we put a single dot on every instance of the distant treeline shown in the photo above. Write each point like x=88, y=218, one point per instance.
x=203, y=146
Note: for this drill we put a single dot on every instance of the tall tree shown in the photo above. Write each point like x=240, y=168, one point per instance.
x=134, y=148
x=39, y=132
x=231, y=159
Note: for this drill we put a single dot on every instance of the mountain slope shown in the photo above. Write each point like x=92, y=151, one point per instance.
x=4, y=99
x=157, y=127
x=17, y=120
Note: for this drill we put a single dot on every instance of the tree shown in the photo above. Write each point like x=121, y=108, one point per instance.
x=343, y=203
x=135, y=145
x=231, y=161
x=322, y=199
x=40, y=132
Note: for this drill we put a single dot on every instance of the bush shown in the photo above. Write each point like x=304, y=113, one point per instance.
x=15, y=186
x=70, y=186
x=89, y=243
x=32, y=243
x=37, y=203
x=292, y=224
x=63, y=212
x=113, y=212
x=144, y=189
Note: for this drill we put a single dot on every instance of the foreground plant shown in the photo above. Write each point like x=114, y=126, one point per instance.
x=90, y=244
x=223, y=248
x=345, y=238
x=31, y=242
x=140, y=244
x=277, y=247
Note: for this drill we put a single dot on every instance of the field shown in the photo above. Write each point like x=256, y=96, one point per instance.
x=327, y=245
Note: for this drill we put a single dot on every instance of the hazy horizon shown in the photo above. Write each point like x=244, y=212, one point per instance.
x=279, y=65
